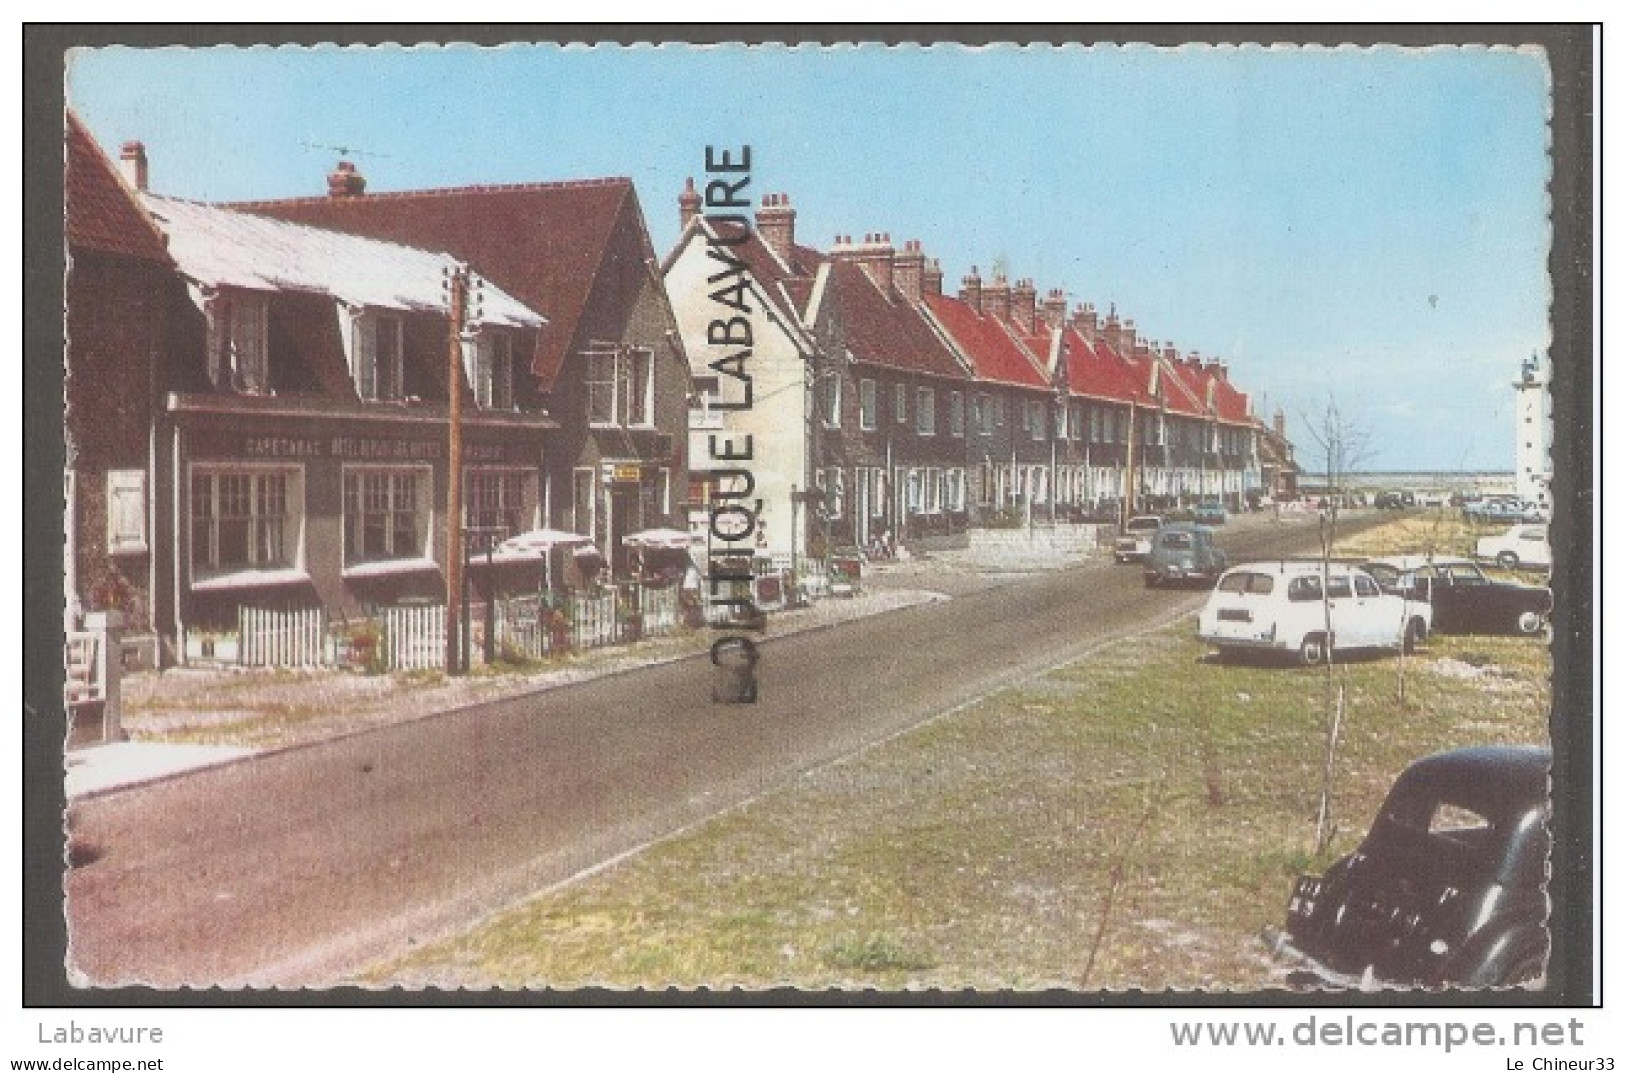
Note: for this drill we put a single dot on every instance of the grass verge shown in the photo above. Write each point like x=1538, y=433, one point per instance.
x=1141, y=812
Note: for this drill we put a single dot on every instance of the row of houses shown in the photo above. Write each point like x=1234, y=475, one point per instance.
x=885, y=408
x=258, y=395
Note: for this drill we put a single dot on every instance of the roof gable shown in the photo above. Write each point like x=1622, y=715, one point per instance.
x=102, y=211
x=885, y=330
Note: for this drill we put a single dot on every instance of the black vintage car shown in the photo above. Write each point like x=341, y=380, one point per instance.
x=1464, y=598
x=1446, y=890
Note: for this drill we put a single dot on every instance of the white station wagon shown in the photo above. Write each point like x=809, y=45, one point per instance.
x=1279, y=607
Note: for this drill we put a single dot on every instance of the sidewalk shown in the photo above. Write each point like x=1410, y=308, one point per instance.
x=184, y=719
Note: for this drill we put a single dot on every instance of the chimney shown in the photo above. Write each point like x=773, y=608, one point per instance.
x=908, y=271
x=132, y=163
x=1054, y=308
x=873, y=255
x=345, y=181
x=931, y=278
x=776, y=221
x=970, y=290
x=1111, y=333
x=1280, y=424
x=1087, y=322
x=688, y=203
x=1170, y=354
x=1142, y=350
x=996, y=298
x=1024, y=305
x=1217, y=369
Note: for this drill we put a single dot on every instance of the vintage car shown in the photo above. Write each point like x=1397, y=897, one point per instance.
x=1519, y=547
x=1285, y=605
x=1464, y=598
x=1502, y=509
x=1134, y=542
x=1447, y=889
x=1209, y=512
x=1183, y=554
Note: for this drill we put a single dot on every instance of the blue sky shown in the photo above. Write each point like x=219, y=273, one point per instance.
x=1364, y=224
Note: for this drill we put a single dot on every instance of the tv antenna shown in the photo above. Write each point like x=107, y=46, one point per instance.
x=346, y=150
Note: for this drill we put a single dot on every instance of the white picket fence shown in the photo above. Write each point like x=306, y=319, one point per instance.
x=285, y=637
x=415, y=637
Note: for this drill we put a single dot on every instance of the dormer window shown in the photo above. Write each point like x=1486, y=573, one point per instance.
x=493, y=378
x=238, y=342
x=379, y=365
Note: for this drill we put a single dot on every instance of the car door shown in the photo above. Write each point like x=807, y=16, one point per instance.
x=1380, y=616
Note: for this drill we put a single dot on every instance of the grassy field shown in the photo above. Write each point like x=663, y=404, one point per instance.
x=1131, y=821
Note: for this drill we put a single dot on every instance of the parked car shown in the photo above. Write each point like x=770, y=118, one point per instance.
x=1520, y=546
x=1464, y=598
x=1391, y=500
x=1209, y=512
x=1284, y=605
x=1183, y=553
x=1447, y=889
x=1134, y=542
x=1502, y=510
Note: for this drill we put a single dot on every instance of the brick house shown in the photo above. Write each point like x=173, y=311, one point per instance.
x=121, y=287
x=306, y=426
x=608, y=366
x=1015, y=420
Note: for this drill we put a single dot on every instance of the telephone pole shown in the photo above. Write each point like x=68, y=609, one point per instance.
x=457, y=284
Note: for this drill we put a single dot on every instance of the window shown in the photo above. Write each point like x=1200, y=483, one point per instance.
x=238, y=342
x=996, y=408
x=1035, y=420
x=601, y=369
x=956, y=414
x=867, y=405
x=639, y=387
x=499, y=500
x=900, y=403
x=493, y=379
x=832, y=483
x=829, y=401
x=584, y=501
x=379, y=365
x=620, y=387
x=385, y=514
x=954, y=490
x=1061, y=415
x=978, y=413
x=1075, y=419
x=126, y=511
x=240, y=521
x=925, y=417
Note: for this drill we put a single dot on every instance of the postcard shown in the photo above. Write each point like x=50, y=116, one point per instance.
x=1079, y=521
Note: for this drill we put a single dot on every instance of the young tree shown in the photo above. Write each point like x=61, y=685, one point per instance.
x=1341, y=444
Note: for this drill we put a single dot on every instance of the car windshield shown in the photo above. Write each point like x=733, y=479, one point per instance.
x=1176, y=541
x=1247, y=582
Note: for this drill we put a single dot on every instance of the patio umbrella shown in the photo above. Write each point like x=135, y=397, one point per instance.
x=659, y=538
x=535, y=544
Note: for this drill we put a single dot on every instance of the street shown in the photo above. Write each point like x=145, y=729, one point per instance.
x=301, y=867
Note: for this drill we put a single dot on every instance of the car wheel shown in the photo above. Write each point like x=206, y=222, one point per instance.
x=1507, y=560
x=1312, y=651
x=1531, y=622
x=1415, y=633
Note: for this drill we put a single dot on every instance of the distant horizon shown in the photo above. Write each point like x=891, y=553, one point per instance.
x=1367, y=225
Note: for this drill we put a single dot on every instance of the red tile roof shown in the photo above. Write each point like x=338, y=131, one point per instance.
x=1096, y=371
x=1179, y=394
x=102, y=211
x=547, y=244
x=992, y=350
x=886, y=330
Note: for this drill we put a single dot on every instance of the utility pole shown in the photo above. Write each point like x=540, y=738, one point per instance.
x=457, y=285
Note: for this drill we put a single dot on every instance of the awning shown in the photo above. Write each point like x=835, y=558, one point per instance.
x=250, y=579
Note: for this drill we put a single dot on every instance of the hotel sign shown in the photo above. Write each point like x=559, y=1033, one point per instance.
x=352, y=448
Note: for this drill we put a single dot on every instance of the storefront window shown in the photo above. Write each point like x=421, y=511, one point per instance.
x=240, y=521
x=385, y=514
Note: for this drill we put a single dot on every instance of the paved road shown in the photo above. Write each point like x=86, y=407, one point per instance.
x=302, y=866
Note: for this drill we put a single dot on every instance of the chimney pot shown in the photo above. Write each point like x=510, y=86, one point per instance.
x=776, y=223
x=688, y=203
x=133, y=164
x=345, y=181
x=908, y=271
